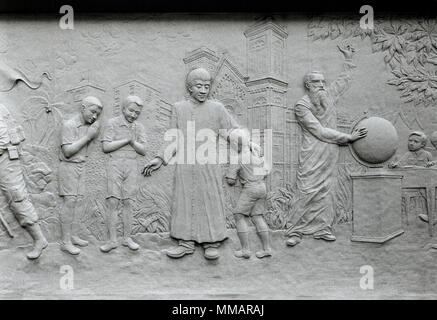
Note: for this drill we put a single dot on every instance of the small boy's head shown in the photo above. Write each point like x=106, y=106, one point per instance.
x=416, y=140
x=433, y=139
x=239, y=138
x=91, y=109
x=132, y=107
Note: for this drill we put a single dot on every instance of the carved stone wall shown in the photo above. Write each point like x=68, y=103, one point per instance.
x=258, y=67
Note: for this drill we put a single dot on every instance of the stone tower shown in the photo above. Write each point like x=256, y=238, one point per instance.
x=265, y=43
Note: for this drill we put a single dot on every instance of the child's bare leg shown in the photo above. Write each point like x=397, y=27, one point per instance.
x=243, y=235
x=263, y=233
x=75, y=239
x=67, y=218
x=112, y=204
x=127, y=225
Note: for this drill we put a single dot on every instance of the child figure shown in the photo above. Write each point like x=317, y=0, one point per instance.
x=416, y=155
x=124, y=139
x=76, y=135
x=433, y=139
x=251, y=172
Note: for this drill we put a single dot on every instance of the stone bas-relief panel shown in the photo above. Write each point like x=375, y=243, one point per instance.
x=339, y=124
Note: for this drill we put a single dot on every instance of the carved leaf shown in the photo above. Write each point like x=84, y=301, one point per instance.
x=152, y=211
x=393, y=82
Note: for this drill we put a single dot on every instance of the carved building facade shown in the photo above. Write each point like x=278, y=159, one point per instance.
x=257, y=97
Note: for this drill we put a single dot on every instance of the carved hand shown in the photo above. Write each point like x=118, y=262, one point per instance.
x=132, y=138
x=358, y=134
x=347, y=50
x=230, y=181
x=93, y=130
x=392, y=165
x=431, y=163
x=151, y=166
x=255, y=148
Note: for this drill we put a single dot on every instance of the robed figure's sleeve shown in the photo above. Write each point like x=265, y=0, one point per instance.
x=306, y=119
x=169, y=148
x=227, y=122
x=232, y=172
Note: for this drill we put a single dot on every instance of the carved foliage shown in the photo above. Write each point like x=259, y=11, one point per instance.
x=152, y=210
x=39, y=111
x=106, y=38
x=333, y=28
x=343, y=191
x=410, y=50
x=279, y=205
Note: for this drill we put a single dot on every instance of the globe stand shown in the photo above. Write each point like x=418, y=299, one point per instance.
x=377, y=193
x=376, y=198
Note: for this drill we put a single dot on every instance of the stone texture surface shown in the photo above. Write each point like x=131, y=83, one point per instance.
x=111, y=56
x=404, y=268
x=377, y=214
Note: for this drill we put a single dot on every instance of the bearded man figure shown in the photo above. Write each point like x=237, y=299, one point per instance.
x=313, y=212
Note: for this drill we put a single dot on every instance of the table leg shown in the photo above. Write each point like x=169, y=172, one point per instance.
x=430, y=201
x=407, y=208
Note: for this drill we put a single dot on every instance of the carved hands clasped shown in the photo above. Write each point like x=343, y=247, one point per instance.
x=93, y=130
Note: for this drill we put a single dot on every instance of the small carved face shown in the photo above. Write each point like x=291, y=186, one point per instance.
x=316, y=82
x=91, y=113
x=415, y=143
x=131, y=112
x=199, y=89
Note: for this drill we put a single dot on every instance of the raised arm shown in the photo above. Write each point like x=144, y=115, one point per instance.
x=342, y=83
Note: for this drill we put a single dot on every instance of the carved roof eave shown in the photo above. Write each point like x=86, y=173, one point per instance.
x=141, y=83
x=84, y=86
x=165, y=102
x=232, y=67
x=199, y=53
x=270, y=80
x=269, y=25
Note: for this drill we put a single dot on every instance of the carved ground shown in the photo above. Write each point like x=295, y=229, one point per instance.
x=404, y=268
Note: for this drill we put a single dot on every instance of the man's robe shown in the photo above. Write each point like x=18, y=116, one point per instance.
x=198, y=211
x=313, y=212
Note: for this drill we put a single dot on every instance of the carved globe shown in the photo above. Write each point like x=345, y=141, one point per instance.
x=381, y=141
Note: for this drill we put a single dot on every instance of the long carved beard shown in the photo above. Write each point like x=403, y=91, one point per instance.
x=320, y=100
